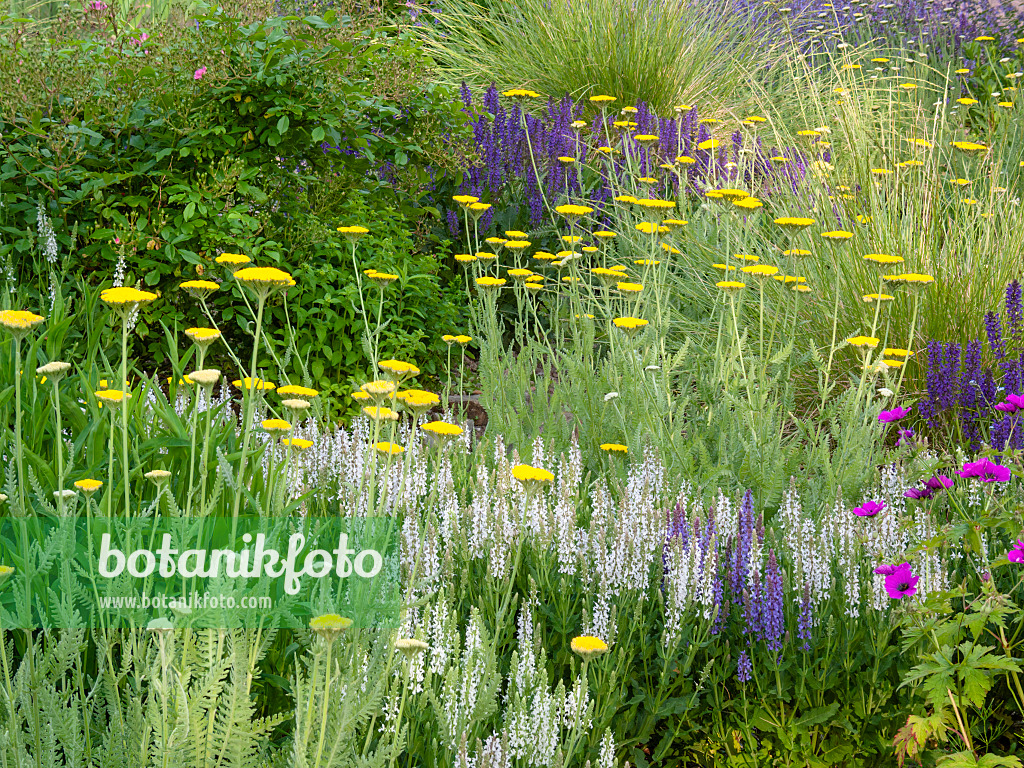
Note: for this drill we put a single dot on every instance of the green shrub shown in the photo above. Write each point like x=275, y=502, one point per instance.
x=141, y=160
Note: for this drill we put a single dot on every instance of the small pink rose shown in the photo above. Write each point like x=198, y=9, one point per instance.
x=199, y=73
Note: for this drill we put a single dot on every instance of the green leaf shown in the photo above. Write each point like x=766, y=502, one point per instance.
x=190, y=211
x=318, y=134
x=282, y=125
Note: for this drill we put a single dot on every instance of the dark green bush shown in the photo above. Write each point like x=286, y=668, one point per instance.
x=149, y=156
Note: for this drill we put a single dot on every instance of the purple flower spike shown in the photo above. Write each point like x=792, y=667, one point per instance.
x=1017, y=555
x=744, y=669
x=869, y=508
x=986, y=471
x=885, y=570
x=901, y=582
x=887, y=417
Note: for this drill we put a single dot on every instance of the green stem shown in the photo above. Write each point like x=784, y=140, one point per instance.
x=59, y=440
x=249, y=396
x=18, y=449
x=124, y=410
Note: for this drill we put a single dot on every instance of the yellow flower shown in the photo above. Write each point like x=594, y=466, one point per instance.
x=353, y=233
x=748, y=203
x=809, y=132
x=645, y=138
x=200, y=289
x=911, y=278
x=232, y=260
x=112, y=395
x=908, y=86
x=264, y=278
x=910, y=164
x=495, y=241
x=779, y=160
x=573, y=211
x=442, y=428
x=794, y=222
x=969, y=146
x=88, y=486
x=966, y=101
x=960, y=182
x=614, y=448
x=630, y=324
x=588, y=646
x=521, y=93
x=674, y=224
x=862, y=341
x=275, y=425
x=465, y=258
x=380, y=414
x=760, y=270
x=382, y=278
x=490, y=282
x=476, y=210
x=730, y=285
x=515, y=234
x=798, y=252
x=630, y=287
x=390, y=449
x=650, y=228
x=646, y=262
x=291, y=390
x=126, y=296
x=329, y=625
x=670, y=249
x=528, y=475
x=724, y=267
x=19, y=322
x=984, y=39
x=870, y=297
x=883, y=258
x=360, y=395
x=465, y=200
x=602, y=99
x=296, y=443
x=379, y=388
x=921, y=143
x=202, y=337
x=963, y=71
x=250, y=384
x=881, y=172
x=685, y=160
x=838, y=235
x=709, y=145
x=399, y=368
x=897, y=352
x=517, y=245
x=656, y=204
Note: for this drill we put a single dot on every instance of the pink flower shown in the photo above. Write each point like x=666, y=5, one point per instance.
x=986, y=471
x=885, y=570
x=1017, y=555
x=887, y=417
x=199, y=73
x=901, y=582
x=97, y=5
x=869, y=508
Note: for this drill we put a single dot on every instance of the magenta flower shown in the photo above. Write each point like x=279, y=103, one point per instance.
x=986, y=471
x=869, y=508
x=938, y=483
x=887, y=417
x=199, y=73
x=98, y=5
x=1017, y=555
x=901, y=582
x=905, y=434
x=885, y=570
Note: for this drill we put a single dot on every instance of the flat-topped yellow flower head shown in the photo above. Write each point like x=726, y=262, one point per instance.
x=573, y=211
x=490, y=282
x=202, y=337
x=233, y=261
x=126, y=297
x=614, y=448
x=442, y=429
x=292, y=390
x=264, y=279
x=588, y=646
x=199, y=289
x=730, y=286
x=296, y=443
x=275, y=425
x=249, y=383
x=399, y=368
x=531, y=476
x=19, y=322
x=868, y=342
x=795, y=223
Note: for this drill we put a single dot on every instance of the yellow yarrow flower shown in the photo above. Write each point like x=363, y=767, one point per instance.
x=296, y=443
x=389, y=449
x=399, y=368
x=200, y=289
x=490, y=282
x=442, y=428
x=528, y=475
x=275, y=425
x=19, y=322
x=292, y=390
x=588, y=646
x=614, y=448
x=250, y=384
x=730, y=285
x=126, y=296
x=863, y=341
